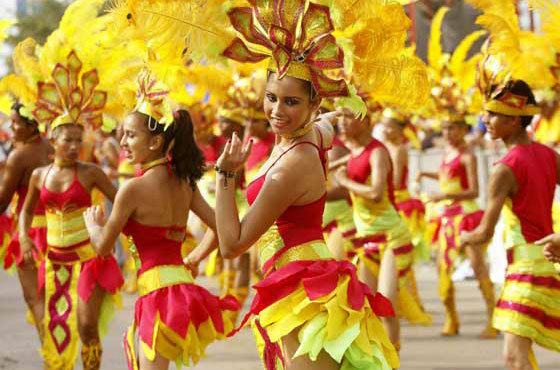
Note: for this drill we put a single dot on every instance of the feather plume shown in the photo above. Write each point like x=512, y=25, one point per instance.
x=549, y=13
x=435, y=52
x=17, y=88
x=460, y=54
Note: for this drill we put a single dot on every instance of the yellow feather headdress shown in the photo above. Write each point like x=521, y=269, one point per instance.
x=21, y=86
x=72, y=96
x=452, y=76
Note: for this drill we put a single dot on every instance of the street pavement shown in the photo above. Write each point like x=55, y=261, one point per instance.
x=422, y=347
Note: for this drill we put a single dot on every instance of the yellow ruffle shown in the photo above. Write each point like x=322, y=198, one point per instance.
x=330, y=324
x=182, y=350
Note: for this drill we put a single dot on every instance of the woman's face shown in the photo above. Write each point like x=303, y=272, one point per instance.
x=349, y=126
x=137, y=139
x=392, y=130
x=454, y=132
x=67, y=142
x=287, y=104
x=499, y=126
x=21, y=129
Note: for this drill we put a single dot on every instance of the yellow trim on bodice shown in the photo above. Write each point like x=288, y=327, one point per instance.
x=66, y=229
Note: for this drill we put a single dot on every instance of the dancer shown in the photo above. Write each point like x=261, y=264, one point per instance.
x=304, y=289
x=175, y=318
x=382, y=240
x=458, y=181
x=412, y=210
x=77, y=283
x=523, y=184
x=32, y=153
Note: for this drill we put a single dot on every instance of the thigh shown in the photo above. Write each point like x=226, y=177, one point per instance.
x=27, y=273
x=367, y=276
x=88, y=312
x=388, y=279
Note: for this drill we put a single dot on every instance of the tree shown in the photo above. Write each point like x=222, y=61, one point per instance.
x=39, y=22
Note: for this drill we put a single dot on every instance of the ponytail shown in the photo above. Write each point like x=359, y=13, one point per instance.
x=186, y=159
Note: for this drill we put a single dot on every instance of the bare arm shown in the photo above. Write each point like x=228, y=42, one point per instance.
x=27, y=213
x=103, y=183
x=430, y=175
x=13, y=172
x=399, y=163
x=502, y=184
x=380, y=165
x=103, y=235
x=210, y=241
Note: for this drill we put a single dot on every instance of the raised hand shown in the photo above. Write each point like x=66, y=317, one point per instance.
x=234, y=155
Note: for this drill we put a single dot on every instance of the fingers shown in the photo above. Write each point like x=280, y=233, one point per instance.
x=247, y=150
x=545, y=240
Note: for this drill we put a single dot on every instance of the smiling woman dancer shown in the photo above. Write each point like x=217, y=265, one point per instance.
x=313, y=312
x=522, y=188
x=175, y=318
x=76, y=281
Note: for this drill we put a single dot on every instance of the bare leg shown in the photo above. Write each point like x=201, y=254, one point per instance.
x=27, y=273
x=335, y=243
x=516, y=352
x=88, y=322
x=159, y=363
x=291, y=344
x=476, y=256
x=388, y=286
x=367, y=276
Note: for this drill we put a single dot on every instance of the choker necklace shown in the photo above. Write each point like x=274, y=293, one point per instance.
x=154, y=163
x=32, y=139
x=299, y=132
x=64, y=163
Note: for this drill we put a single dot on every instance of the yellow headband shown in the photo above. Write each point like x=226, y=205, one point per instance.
x=295, y=69
x=512, y=105
x=394, y=114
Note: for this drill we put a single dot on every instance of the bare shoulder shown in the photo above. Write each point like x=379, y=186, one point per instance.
x=326, y=130
x=20, y=156
x=39, y=173
x=89, y=168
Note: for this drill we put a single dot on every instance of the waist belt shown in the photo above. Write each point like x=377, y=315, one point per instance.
x=163, y=276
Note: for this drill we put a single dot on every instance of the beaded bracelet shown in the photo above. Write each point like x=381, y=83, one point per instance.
x=227, y=175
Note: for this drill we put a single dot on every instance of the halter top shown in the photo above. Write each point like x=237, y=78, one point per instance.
x=156, y=245
x=66, y=228
x=453, y=175
x=299, y=224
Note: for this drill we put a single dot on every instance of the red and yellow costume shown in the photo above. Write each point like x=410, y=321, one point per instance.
x=454, y=217
x=174, y=317
x=529, y=304
x=71, y=270
x=379, y=226
x=305, y=288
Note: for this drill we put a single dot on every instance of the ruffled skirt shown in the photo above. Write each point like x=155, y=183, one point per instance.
x=330, y=310
x=178, y=322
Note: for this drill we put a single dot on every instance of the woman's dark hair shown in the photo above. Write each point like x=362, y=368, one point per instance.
x=521, y=88
x=16, y=107
x=307, y=85
x=187, y=161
